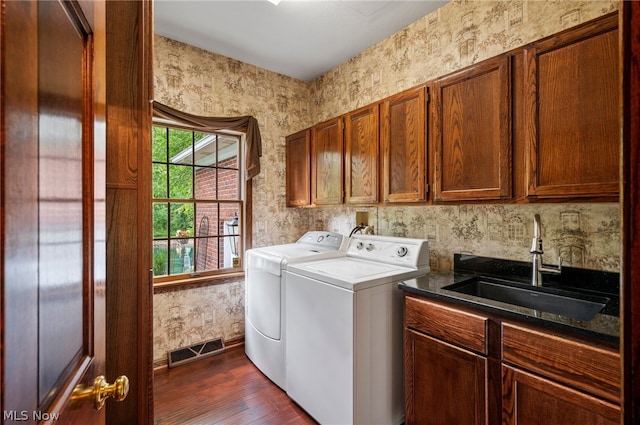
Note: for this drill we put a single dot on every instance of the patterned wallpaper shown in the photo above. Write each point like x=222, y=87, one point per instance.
x=459, y=34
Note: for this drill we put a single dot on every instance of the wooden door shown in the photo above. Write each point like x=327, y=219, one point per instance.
x=532, y=400
x=53, y=209
x=572, y=113
x=444, y=384
x=362, y=147
x=298, y=149
x=403, y=127
x=472, y=133
x=327, y=154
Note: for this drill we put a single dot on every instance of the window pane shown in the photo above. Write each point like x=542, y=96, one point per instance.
x=207, y=219
x=181, y=220
x=180, y=146
x=205, y=258
x=228, y=184
x=206, y=150
x=160, y=220
x=228, y=152
x=230, y=251
x=206, y=183
x=198, y=136
x=180, y=256
x=159, y=180
x=180, y=182
x=230, y=212
x=159, y=144
x=230, y=245
x=160, y=258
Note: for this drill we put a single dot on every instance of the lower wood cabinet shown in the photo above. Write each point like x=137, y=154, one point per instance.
x=465, y=367
x=445, y=384
x=533, y=400
x=447, y=373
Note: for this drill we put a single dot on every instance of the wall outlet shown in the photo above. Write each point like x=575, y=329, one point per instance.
x=362, y=218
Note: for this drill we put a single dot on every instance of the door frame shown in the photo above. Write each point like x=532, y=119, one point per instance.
x=630, y=199
x=129, y=311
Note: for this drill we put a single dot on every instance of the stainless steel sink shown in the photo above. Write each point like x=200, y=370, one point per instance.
x=571, y=304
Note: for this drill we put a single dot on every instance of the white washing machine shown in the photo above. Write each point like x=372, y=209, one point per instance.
x=344, y=330
x=265, y=296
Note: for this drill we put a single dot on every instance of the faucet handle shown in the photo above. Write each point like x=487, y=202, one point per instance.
x=551, y=269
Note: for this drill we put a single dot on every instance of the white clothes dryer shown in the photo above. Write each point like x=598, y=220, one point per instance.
x=265, y=296
x=344, y=330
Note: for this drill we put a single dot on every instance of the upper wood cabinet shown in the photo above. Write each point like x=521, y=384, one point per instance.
x=472, y=133
x=327, y=150
x=403, y=128
x=298, y=151
x=362, y=149
x=572, y=113
x=540, y=122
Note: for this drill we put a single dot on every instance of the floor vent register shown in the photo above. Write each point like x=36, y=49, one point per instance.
x=195, y=352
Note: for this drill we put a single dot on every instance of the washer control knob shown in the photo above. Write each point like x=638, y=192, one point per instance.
x=359, y=245
x=320, y=238
x=402, y=251
x=369, y=247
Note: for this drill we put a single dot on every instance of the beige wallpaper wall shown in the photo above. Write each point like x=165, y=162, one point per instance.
x=459, y=34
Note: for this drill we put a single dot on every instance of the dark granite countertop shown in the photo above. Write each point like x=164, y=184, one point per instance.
x=605, y=326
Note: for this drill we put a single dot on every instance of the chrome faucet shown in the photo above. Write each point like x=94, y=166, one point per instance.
x=536, y=250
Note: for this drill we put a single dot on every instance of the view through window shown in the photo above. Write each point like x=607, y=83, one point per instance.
x=197, y=202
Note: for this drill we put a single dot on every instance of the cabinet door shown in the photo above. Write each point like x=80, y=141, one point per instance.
x=472, y=133
x=443, y=384
x=529, y=399
x=298, y=150
x=327, y=163
x=572, y=113
x=362, y=149
x=404, y=144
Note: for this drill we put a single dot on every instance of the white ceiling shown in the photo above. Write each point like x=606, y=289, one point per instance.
x=299, y=38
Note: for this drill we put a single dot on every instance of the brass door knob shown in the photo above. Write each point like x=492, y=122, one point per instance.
x=102, y=390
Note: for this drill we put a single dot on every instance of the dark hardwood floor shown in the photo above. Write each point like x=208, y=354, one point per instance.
x=223, y=389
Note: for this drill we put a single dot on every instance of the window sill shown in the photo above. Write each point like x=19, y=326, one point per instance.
x=197, y=282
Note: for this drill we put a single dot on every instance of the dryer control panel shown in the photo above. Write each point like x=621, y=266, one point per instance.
x=322, y=238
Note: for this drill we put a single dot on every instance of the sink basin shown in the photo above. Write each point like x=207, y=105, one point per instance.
x=571, y=304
